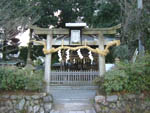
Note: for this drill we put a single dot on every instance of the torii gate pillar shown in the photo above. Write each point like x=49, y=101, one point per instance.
x=101, y=62
x=47, y=73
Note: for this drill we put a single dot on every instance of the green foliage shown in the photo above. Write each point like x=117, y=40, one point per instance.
x=121, y=52
x=12, y=78
x=18, y=12
x=110, y=57
x=109, y=13
x=23, y=53
x=55, y=58
x=41, y=12
x=129, y=77
x=70, y=11
x=139, y=74
x=135, y=23
x=115, y=80
x=35, y=52
x=35, y=82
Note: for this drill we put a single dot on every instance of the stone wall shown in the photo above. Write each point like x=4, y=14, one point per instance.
x=127, y=103
x=26, y=103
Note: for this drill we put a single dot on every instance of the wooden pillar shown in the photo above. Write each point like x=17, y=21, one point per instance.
x=101, y=58
x=48, y=60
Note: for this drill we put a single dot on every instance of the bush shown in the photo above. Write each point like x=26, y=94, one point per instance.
x=12, y=78
x=129, y=77
x=115, y=80
x=35, y=82
x=139, y=75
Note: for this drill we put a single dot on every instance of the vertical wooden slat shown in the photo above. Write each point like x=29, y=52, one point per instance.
x=75, y=77
x=89, y=77
x=61, y=78
x=69, y=76
x=57, y=78
x=85, y=77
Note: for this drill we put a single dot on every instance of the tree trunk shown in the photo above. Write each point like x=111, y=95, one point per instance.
x=4, y=47
x=4, y=50
x=29, y=61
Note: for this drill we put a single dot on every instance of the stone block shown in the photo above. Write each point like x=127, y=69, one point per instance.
x=36, y=97
x=118, y=104
x=21, y=104
x=36, y=102
x=28, y=97
x=19, y=97
x=4, y=96
x=112, y=98
x=13, y=97
x=97, y=108
x=130, y=96
x=30, y=109
x=99, y=99
x=47, y=107
x=8, y=103
x=42, y=110
x=36, y=108
x=47, y=99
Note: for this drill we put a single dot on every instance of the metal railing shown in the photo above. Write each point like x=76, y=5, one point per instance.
x=75, y=78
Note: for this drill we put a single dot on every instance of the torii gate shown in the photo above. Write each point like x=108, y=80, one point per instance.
x=85, y=31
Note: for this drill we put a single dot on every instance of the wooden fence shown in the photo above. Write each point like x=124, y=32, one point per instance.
x=73, y=78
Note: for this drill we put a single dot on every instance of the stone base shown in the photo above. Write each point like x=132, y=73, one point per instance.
x=128, y=103
x=35, y=103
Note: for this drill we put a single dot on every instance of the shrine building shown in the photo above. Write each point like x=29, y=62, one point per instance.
x=75, y=55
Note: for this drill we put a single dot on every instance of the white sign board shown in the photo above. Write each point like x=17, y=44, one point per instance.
x=75, y=37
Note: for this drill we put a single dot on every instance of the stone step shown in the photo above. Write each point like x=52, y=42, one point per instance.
x=73, y=106
x=72, y=94
x=73, y=87
x=62, y=101
x=66, y=111
x=73, y=99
